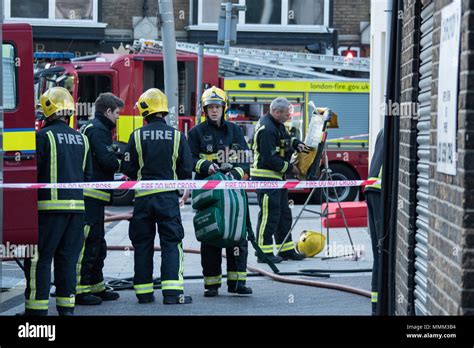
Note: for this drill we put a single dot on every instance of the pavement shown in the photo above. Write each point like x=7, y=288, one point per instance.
x=269, y=298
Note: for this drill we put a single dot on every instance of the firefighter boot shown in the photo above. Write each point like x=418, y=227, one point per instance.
x=240, y=290
x=146, y=298
x=63, y=311
x=87, y=299
x=107, y=295
x=211, y=292
x=181, y=299
x=291, y=255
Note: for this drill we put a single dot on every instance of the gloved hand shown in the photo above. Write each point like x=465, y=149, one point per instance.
x=226, y=167
x=303, y=148
x=213, y=169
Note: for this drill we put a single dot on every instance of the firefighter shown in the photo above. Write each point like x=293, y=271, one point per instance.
x=373, y=197
x=211, y=144
x=273, y=147
x=157, y=152
x=62, y=155
x=90, y=280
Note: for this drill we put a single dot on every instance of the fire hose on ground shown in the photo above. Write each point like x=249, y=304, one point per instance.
x=122, y=284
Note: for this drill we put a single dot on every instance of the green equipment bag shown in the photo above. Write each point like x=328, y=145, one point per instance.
x=221, y=219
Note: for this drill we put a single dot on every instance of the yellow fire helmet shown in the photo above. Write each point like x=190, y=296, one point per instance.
x=151, y=102
x=214, y=95
x=311, y=243
x=57, y=100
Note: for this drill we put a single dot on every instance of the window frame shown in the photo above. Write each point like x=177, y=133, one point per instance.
x=242, y=26
x=51, y=21
x=15, y=78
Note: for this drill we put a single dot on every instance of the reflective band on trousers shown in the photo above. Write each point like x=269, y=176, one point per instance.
x=212, y=280
x=97, y=194
x=287, y=246
x=375, y=297
x=80, y=289
x=236, y=275
x=61, y=204
x=171, y=285
x=143, y=288
x=98, y=287
x=65, y=301
x=37, y=304
x=265, y=173
x=263, y=225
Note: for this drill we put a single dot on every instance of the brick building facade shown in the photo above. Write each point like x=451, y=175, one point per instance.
x=448, y=213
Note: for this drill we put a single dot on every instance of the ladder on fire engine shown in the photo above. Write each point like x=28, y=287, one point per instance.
x=266, y=63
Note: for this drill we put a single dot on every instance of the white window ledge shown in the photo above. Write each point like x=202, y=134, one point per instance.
x=57, y=22
x=269, y=28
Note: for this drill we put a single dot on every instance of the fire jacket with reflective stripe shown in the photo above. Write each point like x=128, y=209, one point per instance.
x=375, y=170
x=104, y=160
x=157, y=152
x=272, y=149
x=225, y=144
x=63, y=156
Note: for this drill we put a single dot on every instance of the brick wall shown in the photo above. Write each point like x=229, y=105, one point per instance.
x=347, y=15
x=451, y=236
x=119, y=13
x=407, y=171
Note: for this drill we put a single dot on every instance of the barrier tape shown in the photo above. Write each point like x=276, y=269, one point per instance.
x=350, y=137
x=193, y=185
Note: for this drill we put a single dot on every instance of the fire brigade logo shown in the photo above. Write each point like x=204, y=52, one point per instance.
x=209, y=148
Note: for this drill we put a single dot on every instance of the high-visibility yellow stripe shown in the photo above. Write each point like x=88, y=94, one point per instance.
x=126, y=124
x=86, y=151
x=263, y=224
x=37, y=304
x=82, y=288
x=213, y=280
x=240, y=171
x=34, y=264
x=181, y=262
x=287, y=246
x=143, y=288
x=265, y=173
x=65, y=301
x=65, y=204
x=97, y=194
x=53, y=164
x=138, y=146
x=255, y=85
x=99, y=287
x=236, y=275
x=285, y=167
x=172, y=285
x=199, y=164
x=209, y=157
x=376, y=185
x=19, y=140
x=177, y=138
x=374, y=297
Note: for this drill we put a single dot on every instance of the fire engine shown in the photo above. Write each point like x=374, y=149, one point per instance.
x=20, y=216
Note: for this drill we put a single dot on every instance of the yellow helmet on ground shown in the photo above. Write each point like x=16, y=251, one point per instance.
x=151, y=102
x=311, y=243
x=57, y=100
x=214, y=95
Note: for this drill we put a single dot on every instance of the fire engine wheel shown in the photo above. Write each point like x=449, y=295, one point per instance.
x=123, y=197
x=341, y=172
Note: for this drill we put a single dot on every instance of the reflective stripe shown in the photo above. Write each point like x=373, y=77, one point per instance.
x=138, y=146
x=98, y=287
x=97, y=194
x=374, y=297
x=86, y=151
x=285, y=167
x=236, y=275
x=263, y=223
x=181, y=262
x=80, y=289
x=208, y=156
x=199, y=164
x=240, y=171
x=143, y=288
x=172, y=285
x=34, y=264
x=213, y=280
x=177, y=138
x=61, y=204
x=65, y=301
x=267, y=249
x=265, y=173
x=37, y=304
x=287, y=246
x=53, y=166
x=376, y=185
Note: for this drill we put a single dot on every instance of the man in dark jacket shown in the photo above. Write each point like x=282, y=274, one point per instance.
x=90, y=280
x=373, y=197
x=62, y=156
x=157, y=152
x=218, y=145
x=273, y=147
